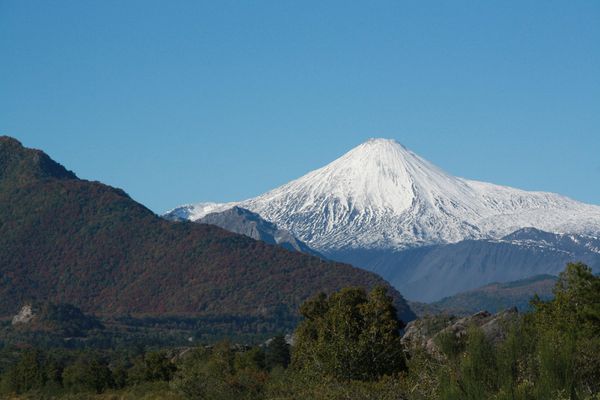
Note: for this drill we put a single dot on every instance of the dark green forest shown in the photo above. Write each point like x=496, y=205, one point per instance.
x=347, y=346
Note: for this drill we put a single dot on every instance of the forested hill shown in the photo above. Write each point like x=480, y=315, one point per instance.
x=494, y=297
x=68, y=240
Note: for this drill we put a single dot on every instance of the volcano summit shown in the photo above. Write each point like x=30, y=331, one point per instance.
x=380, y=195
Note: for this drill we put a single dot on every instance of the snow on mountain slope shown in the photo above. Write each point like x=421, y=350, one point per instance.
x=194, y=212
x=380, y=195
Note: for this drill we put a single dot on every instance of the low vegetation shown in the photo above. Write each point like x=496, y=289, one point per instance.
x=346, y=347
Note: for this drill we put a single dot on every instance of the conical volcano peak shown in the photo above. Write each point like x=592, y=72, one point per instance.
x=378, y=178
x=382, y=195
x=382, y=142
x=384, y=162
x=381, y=145
x=384, y=151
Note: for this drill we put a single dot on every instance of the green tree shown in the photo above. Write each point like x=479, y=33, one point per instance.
x=221, y=373
x=88, y=373
x=568, y=335
x=119, y=373
x=479, y=374
x=150, y=367
x=28, y=374
x=277, y=353
x=471, y=375
x=158, y=367
x=190, y=378
x=349, y=335
x=252, y=359
x=514, y=358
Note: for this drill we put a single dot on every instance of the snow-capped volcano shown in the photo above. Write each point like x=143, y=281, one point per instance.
x=380, y=195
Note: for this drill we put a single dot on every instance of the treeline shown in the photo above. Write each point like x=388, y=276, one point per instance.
x=218, y=371
x=348, y=346
x=80, y=331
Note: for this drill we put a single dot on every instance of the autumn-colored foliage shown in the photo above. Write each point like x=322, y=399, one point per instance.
x=73, y=241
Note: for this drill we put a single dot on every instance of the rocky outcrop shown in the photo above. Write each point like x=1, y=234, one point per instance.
x=497, y=327
x=24, y=316
x=62, y=319
x=426, y=332
x=245, y=222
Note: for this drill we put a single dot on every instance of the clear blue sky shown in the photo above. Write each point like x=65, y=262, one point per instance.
x=189, y=101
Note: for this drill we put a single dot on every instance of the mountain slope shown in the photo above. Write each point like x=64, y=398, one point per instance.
x=381, y=195
x=494, y=297
x=430, y=273
x=245, y=222
x=68, y=240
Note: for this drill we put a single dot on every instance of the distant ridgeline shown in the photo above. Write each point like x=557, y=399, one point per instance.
x=68, y=240
x=494, y=297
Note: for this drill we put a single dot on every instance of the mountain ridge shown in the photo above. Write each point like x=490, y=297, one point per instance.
x=84, y=243
x=16, y=162
x=429, y=273
x=493, y=297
